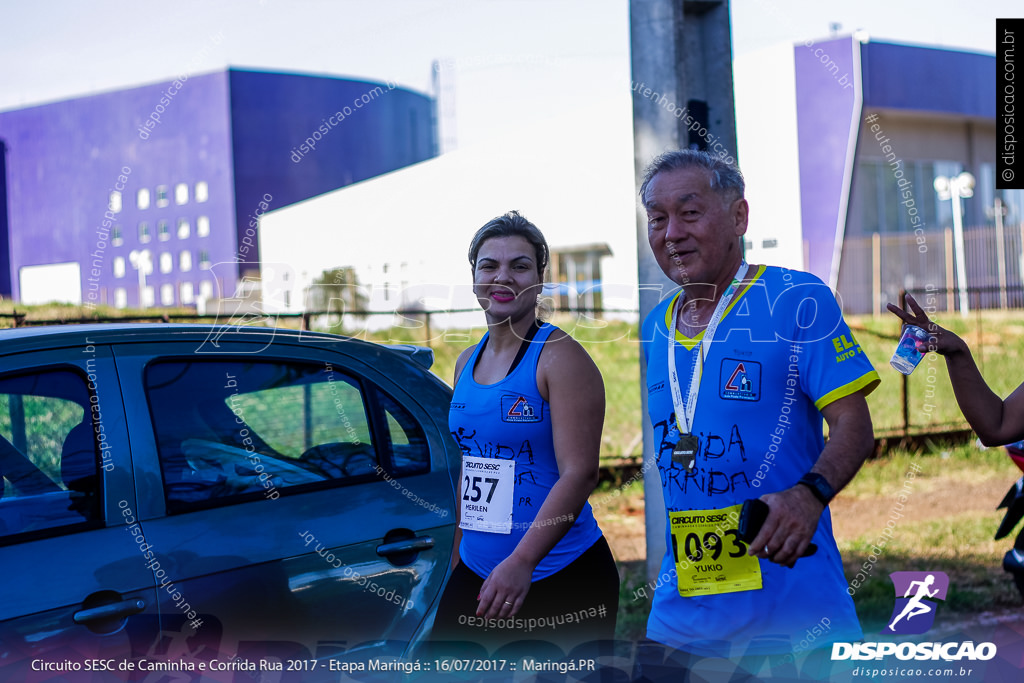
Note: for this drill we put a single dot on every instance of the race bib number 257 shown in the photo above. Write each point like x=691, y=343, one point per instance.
x=486, y=503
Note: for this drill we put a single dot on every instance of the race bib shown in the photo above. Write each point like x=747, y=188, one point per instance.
x=710, y=556
x=487, y=494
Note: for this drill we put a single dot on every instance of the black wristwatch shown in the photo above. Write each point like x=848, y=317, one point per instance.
x=819, y=486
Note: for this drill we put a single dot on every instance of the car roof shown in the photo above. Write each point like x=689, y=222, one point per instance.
x=13, y=340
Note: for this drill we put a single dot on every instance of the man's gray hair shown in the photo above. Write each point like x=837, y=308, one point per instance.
x=726, y=178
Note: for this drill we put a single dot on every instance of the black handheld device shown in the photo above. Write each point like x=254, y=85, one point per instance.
x=752, y=516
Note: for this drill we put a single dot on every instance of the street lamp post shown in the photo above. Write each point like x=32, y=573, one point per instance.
x=998, y=212
x=955, y=188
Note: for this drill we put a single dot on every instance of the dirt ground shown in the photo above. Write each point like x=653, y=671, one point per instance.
x=623, y=524
x=622, y=520
x=852, y=518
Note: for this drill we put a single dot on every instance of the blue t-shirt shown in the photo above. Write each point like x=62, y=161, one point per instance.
x=510, y=420
x=781, y=353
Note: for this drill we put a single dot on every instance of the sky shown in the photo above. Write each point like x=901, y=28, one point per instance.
x=555, y=73
x=516, y=62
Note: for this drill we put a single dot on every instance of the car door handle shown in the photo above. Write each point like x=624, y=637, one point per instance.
x=117, y=610
x=411, y=545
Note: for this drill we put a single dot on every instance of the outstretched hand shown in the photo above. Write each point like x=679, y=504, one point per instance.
x=940, y=340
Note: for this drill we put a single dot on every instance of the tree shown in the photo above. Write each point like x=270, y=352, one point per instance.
x=337, y=290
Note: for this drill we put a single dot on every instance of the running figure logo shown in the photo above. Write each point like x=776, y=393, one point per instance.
x=915, y=611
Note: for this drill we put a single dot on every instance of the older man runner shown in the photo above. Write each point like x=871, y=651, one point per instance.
x=742, y=364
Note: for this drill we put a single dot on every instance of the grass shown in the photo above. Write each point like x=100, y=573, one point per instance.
x=616, y=507
x=957, y=540
x=881, y=477
x=962, y=547
x=996, y=339
x=56, y=311
x=632, y=617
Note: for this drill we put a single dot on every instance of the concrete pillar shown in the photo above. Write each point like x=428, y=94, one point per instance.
x=681, y=52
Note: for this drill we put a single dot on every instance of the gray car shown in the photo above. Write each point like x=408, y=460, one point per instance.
x=206, y=498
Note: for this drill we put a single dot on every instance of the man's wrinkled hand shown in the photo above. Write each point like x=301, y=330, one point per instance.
x=787, y=531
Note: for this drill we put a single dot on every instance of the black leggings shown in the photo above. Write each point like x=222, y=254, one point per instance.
x=574, y=605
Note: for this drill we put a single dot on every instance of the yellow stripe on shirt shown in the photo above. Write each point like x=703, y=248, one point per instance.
x=689, y=342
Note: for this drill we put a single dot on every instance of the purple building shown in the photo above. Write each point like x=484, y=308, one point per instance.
x=152, y=195
x=849, y=137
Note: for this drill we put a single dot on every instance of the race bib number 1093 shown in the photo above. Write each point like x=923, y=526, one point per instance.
x=709, y=553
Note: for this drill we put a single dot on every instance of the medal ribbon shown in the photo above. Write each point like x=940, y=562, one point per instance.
x=686, y=413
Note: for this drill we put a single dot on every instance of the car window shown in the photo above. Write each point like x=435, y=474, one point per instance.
x=230, y=431
x=49, y=463
x=408, y=444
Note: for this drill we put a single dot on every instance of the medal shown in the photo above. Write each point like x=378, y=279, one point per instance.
x=685, y=451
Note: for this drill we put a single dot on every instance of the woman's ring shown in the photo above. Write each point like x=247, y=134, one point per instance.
x=507, y=602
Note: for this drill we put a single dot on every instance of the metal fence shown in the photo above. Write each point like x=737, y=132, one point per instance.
x=876, y=268
x=307, y=320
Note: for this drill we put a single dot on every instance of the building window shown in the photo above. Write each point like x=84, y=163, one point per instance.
x=185, y=261
x=144, y=235
x=162, y=199
x=202, y=191
x=148, y=296
x=116, y=238
x=166, y=262
x=883, y=204
x=167, y=295
x=115, y=202
x=183, y=228
x=205, y=289
x=120, y=297
x=181, y=194
x=163, y=231
x=203, y=226
x=187, y=293
x=142, y=198
x=119, y=266
x=204, y=260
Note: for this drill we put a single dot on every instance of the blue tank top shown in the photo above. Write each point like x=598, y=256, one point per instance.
x=509, y=420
